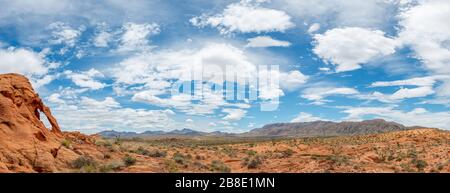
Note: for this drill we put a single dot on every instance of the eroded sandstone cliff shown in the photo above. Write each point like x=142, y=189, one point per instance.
x=26, y=145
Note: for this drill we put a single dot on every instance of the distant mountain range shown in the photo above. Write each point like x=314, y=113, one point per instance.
x=327, y=128
x=300, y=129
x=181, y=132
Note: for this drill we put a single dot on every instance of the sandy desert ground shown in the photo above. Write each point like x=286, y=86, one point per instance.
x=422, y=150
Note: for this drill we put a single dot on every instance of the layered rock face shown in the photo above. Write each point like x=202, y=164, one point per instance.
x=26, y=145
x=20, y=105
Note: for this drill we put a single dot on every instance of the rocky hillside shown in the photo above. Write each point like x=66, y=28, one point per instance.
x=327, y=128
x=304, y=129
x=26, y=145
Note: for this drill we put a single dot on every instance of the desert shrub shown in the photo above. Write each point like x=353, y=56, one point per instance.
x=66, y=143
x=142, y=151
x=129, y=161
x=150, y=153
x=412, y=153
x=254, y=162
x=179, y=158
x=287, y=153
x=103, y=143
x=200, y=165
x=338, y=159
x=251, y=152
x=157, y=153
x=171, y=166
x=406, y=167
x=219, y=166
x=117, y=141
x=107, y=156
x=88, y=169
x=199, y=157
x=115, y=166
x=229, y=151
x=84, y=161
x=419, y=164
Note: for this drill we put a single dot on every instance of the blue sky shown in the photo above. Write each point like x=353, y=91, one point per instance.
x=111, y=64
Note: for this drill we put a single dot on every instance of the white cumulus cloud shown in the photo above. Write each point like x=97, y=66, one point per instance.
x=23, y=61
x=246, y=17
x=135, y=36
x=86, y=79
x=348, y=48
x=266, y=41
x=234, y=114
x=306, y=117
x=416, y=117
x=318, y=94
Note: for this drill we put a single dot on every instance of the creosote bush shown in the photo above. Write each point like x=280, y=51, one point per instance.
x=219, y=166
x=83, y=161
x=129, y=161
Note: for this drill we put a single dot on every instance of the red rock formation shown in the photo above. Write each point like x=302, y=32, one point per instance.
x=18, y=99
x=26, y=145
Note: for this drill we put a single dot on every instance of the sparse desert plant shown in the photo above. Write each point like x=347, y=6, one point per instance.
x=66, y=143
x=199, y=157
x=200, y=165
x=229, y=151
x=142, y=151
x=107, y=156
x=157, y=153
x=179, y=158
x=339, y=159
x=406, y=167
x=251, y=152
x=287, y=153
x=170, y=166
x=419, y=164
x=412, y=153
x=128, y=160
x=103, y=143
x=83, y=161
x=150, y=153
x=254, y=162
x=118, y=141
x=112, y=167
x=219, y=166
x=88, y=169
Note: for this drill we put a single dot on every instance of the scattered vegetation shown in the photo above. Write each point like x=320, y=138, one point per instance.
x=150, y=153
x=85, y=164
x=128, y=160
x=118, y=141
x=419, y=164
x=170, y=166
x=106, y=156
x=66, y=143
x=111, y=167
x=251, y=152
x=219, y=166
x=314, y=154
x=254, y=162
x=287, y=153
